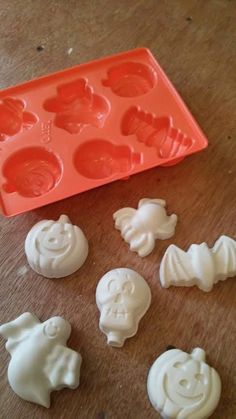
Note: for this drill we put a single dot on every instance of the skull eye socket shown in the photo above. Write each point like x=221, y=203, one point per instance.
x=128, y=287
x=112, y=286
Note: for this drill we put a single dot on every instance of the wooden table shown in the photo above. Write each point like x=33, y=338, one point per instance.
x=195, y=42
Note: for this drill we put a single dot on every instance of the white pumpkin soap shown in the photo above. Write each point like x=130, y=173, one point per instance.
x=183, y=386
x=56, y=249
x=123, y=297
x=40, y=360
x=140, y=228
x=200, y=265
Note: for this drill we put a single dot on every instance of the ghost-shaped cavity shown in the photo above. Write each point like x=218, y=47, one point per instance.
x=123, y=297
x=140, y=228
x=56, y=249
x=40, y=360
x=183, y=386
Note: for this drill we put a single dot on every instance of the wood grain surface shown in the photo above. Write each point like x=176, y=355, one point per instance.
x=194, y=41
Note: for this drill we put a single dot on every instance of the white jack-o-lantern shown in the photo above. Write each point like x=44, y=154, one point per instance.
x=183, y=386
x=123, y=297
x=56, y=249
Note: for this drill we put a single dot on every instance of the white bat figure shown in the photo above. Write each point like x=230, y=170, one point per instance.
x=200, y=265
x=140, y=228
x=40, y=361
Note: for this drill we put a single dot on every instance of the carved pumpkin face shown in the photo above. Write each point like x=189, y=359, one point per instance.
x=56, y=248
x=54, y=239
x=182, y=385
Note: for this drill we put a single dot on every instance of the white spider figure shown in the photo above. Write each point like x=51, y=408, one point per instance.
x=140, y=228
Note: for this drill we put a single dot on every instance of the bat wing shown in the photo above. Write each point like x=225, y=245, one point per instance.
x=176, y=268
x=62, y=367
x=224, y=252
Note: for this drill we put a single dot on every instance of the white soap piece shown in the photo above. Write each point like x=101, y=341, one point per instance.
x=56, y=249
x=183, y=386
x=123, y=297
x=200, y=265
x=40, y=360
x=140, y=228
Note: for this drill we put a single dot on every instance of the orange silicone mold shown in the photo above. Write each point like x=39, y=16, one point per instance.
x=89, y=125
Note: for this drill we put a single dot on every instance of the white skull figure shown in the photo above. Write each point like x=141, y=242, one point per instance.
x=183, y=386
x=140, y=228
x=56, y=249
x=123, y=297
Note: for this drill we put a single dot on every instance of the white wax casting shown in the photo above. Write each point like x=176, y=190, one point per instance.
x=56, y=249
x=123, y=297
x=40, y=360
x=140, y=228
x=183, y=386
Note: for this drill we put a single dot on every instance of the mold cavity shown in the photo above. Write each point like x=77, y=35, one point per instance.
x=31, y=172
x=155, y=132
x=14, y=118
x=130, y=79
x=76, y=106
x=99, y=159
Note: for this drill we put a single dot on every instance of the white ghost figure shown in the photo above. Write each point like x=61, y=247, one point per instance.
x=140, y=228
x=183, y=386
x=56, y=249
x=123, y=297
x=40, y=361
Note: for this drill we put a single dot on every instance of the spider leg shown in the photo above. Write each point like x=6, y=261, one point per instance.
x=147, y=245
x=122, y=221
x=138, y=242
x=124, y=211
x=167, y=229
x=122, y=215
x=130, y=232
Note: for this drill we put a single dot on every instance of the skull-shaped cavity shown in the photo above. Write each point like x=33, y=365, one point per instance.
x=57, y=329
x=56, y=248
x=123, y=297
x=182, y=385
